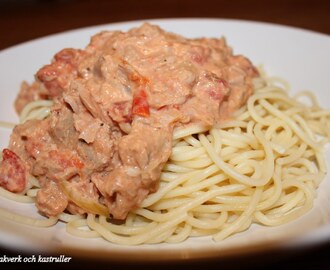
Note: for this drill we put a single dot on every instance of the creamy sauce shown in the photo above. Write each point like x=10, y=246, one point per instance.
x=116, y=105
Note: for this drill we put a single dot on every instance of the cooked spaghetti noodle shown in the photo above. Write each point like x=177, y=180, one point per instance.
x=262, y=166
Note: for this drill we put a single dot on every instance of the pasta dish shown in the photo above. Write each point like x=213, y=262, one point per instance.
x=146, y=136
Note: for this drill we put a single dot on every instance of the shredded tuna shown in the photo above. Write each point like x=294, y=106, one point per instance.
x=116, y=104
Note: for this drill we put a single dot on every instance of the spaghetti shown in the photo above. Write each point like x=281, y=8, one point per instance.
x=262, y=166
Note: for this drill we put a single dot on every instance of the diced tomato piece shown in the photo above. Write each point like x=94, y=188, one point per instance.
x=50, y=75
x=67, y=55
x=140, y=104
x=56, y=76
x=121, y=112
x=65, y=160
x=12, y=172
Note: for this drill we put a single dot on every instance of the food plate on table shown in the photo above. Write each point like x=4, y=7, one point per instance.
x=300, y=57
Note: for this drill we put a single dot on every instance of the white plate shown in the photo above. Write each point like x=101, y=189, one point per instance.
x=302, y=57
